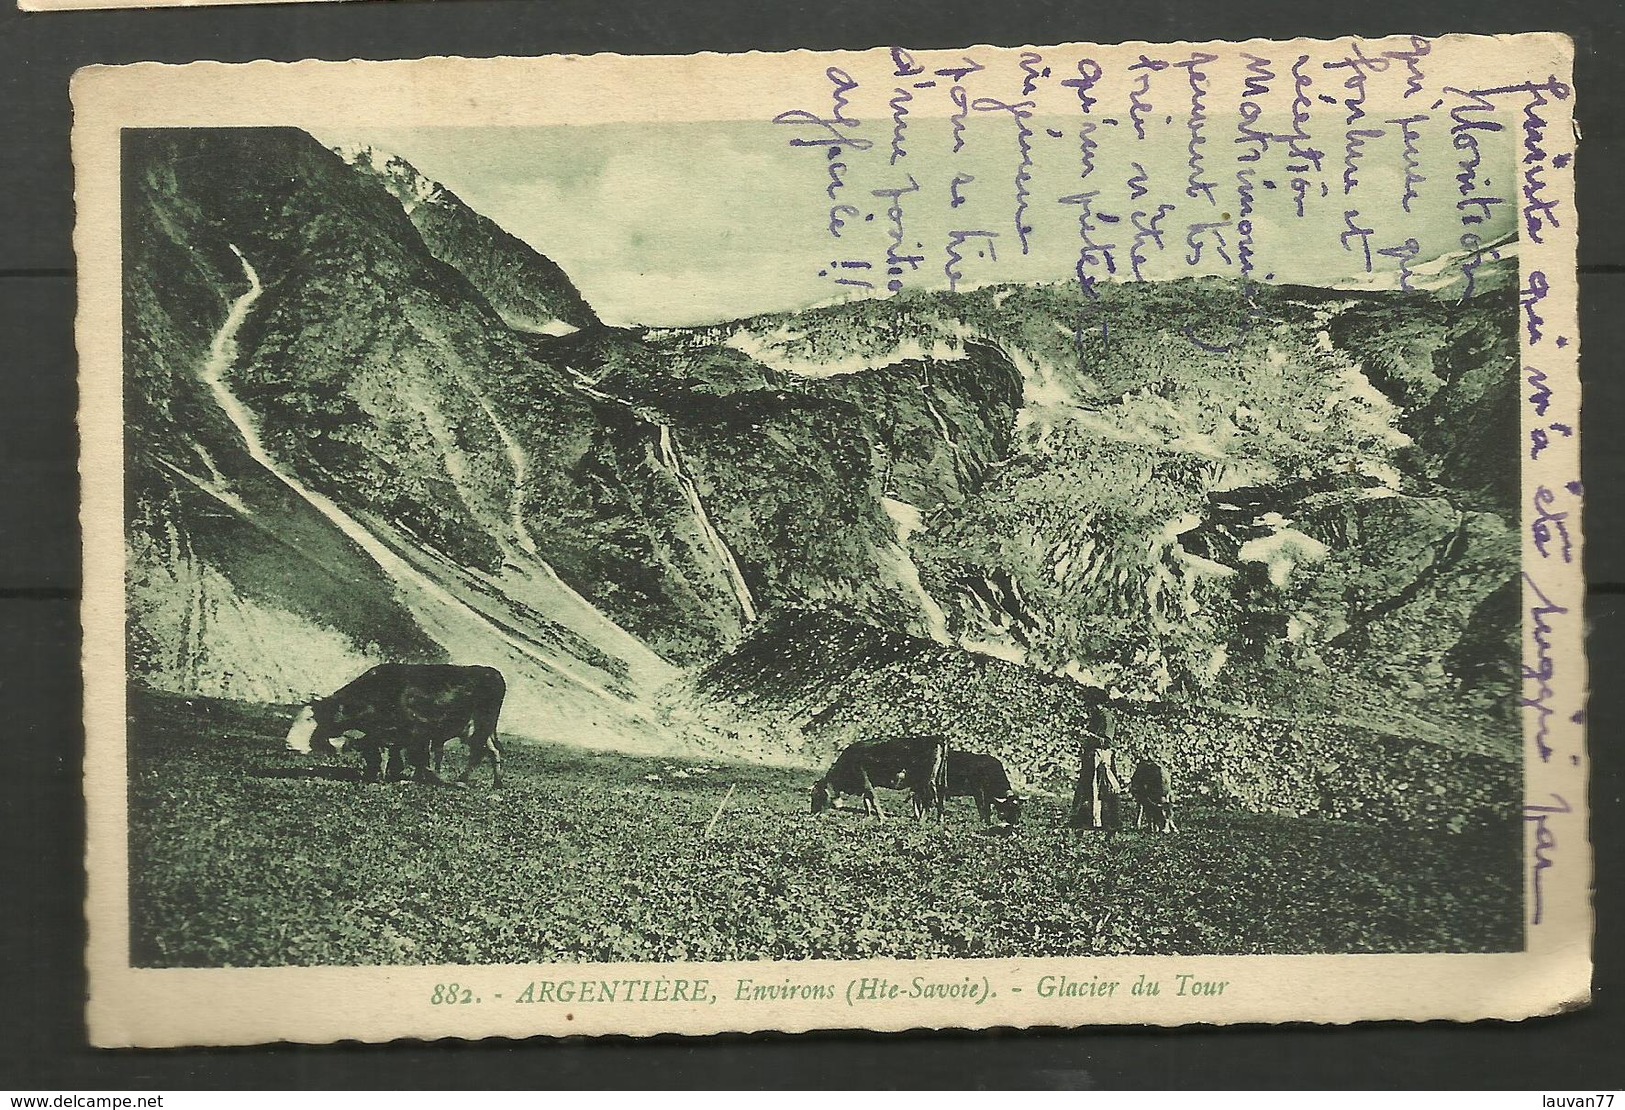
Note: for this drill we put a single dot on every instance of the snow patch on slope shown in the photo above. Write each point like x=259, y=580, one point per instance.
x=1282, y=551
x=777, y=351
x=906, y=520
x=409, y=186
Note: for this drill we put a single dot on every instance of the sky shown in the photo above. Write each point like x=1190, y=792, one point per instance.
x=685, y=223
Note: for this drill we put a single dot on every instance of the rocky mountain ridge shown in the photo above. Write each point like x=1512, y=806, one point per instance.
x=529, y=291
x=460, y=461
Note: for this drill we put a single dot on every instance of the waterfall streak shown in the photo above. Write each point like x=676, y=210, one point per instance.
x=222, y=352
x=713, y=539
x=521, y=471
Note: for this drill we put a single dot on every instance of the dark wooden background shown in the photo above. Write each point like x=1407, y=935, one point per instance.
x=41, y=816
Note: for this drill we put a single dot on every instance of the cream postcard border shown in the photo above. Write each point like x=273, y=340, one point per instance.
x=149, y=1007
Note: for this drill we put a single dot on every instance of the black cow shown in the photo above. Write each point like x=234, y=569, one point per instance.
x=412, y=708
x=917, y=763
x=1149, y=787
x=982, y=777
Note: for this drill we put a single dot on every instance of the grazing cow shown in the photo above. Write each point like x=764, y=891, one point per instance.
x=415, y=708
x=971, y=775
x=1149, y=787
x=918, y=763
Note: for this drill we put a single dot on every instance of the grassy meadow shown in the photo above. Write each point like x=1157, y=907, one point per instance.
x=242, y=855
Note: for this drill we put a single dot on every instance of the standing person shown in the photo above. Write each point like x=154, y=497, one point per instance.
x=1103, y=723
x=1095, y=802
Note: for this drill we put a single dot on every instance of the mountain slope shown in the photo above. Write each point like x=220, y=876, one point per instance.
x=1278, y=502
x=1248, y=501
x=222, y=561
x=819, y=682
x=349, y=395
x=529, y=291
x=382, y=384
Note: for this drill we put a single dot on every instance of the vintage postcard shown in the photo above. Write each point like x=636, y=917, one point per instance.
x=892, y=539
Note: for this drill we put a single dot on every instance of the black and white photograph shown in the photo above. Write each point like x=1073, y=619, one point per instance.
x=802, y=541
